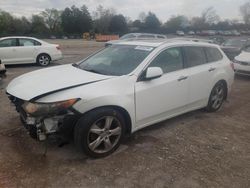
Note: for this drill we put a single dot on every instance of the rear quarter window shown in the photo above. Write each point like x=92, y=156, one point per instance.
x=213, y=54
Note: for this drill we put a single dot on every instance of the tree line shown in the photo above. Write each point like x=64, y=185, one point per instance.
x=74, y=21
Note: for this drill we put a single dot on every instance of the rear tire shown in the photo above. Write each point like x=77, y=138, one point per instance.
x=217, y=97
x=99, y=132
x=43, y=60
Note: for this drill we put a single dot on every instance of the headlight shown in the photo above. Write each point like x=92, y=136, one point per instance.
x=38, y=109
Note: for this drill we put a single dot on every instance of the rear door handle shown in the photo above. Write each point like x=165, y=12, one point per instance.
x=211, y=69
x=182, y=78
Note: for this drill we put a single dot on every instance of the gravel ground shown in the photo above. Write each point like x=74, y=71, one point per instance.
x=197, y=149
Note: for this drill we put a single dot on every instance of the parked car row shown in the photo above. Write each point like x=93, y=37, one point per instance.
x=211, y=33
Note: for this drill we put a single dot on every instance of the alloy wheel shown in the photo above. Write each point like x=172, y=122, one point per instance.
x=44, y=60
x=104, y=134
x=217, y=96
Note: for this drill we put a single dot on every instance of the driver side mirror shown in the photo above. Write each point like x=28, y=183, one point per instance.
x=153, y=73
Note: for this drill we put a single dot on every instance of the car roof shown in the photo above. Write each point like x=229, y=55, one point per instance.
x=19, y=37
x=149, y=34
x=159, y=42
x=145, y=33
x=24, y=37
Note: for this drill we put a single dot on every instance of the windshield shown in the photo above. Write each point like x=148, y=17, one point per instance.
x=116, y=60
x=235, y=42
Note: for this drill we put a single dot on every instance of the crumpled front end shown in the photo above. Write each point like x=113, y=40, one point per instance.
x=60, y=122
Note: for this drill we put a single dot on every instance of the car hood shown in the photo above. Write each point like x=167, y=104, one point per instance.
x=243, y=57
x=36, y=84
x=230, y=48
x=231, y=51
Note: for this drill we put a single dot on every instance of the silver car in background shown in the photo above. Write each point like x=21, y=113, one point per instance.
x=136, y=36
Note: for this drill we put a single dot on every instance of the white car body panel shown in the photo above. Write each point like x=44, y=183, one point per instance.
x=43, y=81
x=147, y=102
x=243, y=63
x=28, y=54
x=169, y=94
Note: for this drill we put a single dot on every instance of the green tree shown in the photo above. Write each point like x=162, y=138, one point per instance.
x=210, y=16
x=152, y=23
x=38, y=26
x=6, y=21
x=52, y=18
x=102, y=19
x=245, y=12
x=85, y=20
x=118, y=24
x=75, y=20
x=176, y=23
x=20, y=26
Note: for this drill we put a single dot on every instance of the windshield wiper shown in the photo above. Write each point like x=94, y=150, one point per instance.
x=75, y=65
x=94, y=71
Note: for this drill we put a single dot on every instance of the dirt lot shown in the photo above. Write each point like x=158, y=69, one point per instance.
x=197, y=149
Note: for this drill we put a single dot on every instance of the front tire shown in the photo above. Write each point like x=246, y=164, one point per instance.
x=99, y=132
x=43, y=60
x=217, y=97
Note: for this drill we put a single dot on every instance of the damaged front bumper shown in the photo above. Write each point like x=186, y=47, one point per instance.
x=41, y=127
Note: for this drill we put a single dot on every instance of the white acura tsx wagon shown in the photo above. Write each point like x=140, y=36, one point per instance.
x=120, y=90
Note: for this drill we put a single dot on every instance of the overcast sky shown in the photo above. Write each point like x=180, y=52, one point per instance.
x=164, y=9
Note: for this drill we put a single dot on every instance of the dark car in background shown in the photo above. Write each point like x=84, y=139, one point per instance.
x=233, y=47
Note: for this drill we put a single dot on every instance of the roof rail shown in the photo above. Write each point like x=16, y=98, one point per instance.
x=194, y=39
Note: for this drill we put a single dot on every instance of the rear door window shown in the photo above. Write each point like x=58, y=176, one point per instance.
x=213, y=54
x=8, y=42
x=28, y=42
x=194, y=56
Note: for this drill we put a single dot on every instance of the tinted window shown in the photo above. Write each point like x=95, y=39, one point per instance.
x=146, y=36
x=213, y=54
x=169, y=60
x=8, y=42
x=28, y=42
x=160, y=37
x=194, y=56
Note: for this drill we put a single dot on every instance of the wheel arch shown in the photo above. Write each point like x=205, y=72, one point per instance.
x=225, y=85
x=123, y=111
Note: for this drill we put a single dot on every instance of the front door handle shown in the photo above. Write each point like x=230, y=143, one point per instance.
x=211, y=69
x=182, y=78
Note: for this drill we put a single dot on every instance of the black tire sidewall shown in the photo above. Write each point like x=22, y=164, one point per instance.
x=83, y=125
x=210, y=107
